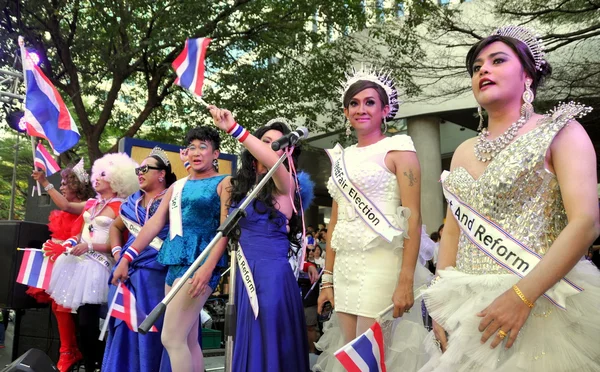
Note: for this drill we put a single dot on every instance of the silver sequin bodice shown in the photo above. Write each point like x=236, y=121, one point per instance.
x=517, y=192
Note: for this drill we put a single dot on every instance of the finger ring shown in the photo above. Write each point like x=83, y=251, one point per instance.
x=438, y=343
x=502, y=334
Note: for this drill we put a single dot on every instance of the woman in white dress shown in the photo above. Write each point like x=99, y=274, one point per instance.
x=370, y=261
x=79, y=279
x=513, y=292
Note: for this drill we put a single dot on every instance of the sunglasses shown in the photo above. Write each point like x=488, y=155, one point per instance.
x=310, y=250
x=144, y=169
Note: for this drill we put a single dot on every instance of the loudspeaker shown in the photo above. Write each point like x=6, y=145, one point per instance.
x=17, y=234
x=33, y=360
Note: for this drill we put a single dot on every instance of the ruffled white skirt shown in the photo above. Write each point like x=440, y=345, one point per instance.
x=551, y=340
x=78, y=280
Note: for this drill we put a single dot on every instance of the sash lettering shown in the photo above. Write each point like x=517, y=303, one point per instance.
x=100, y=258
x=364, y=207
x=504, y=249
x=248, y=280
x=134, y=228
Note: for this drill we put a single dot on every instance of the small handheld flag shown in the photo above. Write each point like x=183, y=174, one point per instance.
x=45, y=161
x=125, y=308
x=189, y=66
x=364, y=353
x=35, y=270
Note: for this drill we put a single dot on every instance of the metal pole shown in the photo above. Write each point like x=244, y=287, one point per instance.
x=11, y=211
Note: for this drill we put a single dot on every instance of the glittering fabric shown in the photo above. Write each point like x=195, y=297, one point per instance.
x=516, y=192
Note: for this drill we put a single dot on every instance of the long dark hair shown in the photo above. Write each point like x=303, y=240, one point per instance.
x=170, y=177
x=245, y=179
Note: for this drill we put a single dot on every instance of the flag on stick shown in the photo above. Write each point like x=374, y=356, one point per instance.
x=35, y=269
x=46, y=114
x=45, y=161
x=125, y=308
x=364, y=353
x=189, y=65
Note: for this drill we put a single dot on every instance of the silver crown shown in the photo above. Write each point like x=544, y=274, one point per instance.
x=282, y=120
x=162, y=155
x=81, y=174
x=381, y=78
x=528, y=37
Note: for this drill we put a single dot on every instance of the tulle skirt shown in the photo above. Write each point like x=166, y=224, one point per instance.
x=78, y=280
x=551, y=339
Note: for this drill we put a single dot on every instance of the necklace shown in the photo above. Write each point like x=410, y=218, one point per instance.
x=486, y=150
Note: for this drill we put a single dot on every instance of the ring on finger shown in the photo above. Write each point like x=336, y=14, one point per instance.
x=438, y=343
x=502, y=334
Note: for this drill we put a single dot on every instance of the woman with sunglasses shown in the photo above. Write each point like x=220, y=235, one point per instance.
x=125, y=347
x=194, y=207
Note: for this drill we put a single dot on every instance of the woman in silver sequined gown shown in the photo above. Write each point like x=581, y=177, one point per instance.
x=540, y=187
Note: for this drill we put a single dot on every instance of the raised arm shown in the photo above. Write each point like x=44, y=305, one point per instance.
x=61, y=202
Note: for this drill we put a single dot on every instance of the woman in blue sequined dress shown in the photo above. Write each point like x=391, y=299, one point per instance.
x=194, y=206
x=274, y=338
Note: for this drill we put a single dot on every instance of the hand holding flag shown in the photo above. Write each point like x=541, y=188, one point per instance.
x=45, y=161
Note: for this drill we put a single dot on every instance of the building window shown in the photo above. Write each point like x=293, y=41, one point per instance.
x=399, y=8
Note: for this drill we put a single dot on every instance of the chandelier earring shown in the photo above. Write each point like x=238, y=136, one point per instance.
x=215, y=164
x=528, y=96
x=480, y=113
x=348, y=129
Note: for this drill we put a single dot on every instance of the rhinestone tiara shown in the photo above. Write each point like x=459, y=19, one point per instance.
x=282, y=120
x=81, y=174
x=528, y=37
x=381, y=78
x=161, y=154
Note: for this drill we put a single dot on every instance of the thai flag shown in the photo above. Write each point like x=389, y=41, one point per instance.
x=365, y=353
x=46, y=115
x=125, y=308
x=35, y=269
x=45, y=161
x=189, y=65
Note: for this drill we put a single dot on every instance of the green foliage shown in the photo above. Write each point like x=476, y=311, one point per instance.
x=24, y=167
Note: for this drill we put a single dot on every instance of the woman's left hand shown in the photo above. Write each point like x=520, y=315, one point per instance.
x=403, y=297
x=507, y=313
x=223, y=118
x=199, y=282
x=79, y=249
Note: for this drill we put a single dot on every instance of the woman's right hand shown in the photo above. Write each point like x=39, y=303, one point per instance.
x=440, y=335
x=325, y=295
x=121, y=273
x=39, y=176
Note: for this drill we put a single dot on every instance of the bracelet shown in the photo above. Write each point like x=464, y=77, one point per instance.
x=186, y=165
x=325, y=286
x=522, y=296
x=116, y=249
x=90, y=247
x=130, y=254
x=327, y=278
x=49, y=187
x=238, y=132
x=325, y=271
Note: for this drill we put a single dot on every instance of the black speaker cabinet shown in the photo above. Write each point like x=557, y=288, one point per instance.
x=13, y=235
x=33, y=360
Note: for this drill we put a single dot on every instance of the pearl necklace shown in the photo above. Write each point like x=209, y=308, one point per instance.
x=486, y=150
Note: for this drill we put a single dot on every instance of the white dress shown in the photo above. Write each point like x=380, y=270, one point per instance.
x=367, y=267
x=79, y=280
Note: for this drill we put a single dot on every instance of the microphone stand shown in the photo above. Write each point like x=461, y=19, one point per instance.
x=231, y=230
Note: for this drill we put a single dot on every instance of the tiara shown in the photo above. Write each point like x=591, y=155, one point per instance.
x=528, y=37
x=284, y=121
x=81, y=174
x=161, y=154
x=381, y=78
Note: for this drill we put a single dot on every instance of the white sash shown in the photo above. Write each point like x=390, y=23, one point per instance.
x=134, y=229
x=176, y=226
x=100, y=258
x=503, y=248
x=365, y=208
x=248, y=279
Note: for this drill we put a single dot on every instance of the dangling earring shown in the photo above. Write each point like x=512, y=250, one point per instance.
x=215, y=164
x=160, y=179
x=480, y=113
x=384, y=126
x=348, y=129
x=528, y=96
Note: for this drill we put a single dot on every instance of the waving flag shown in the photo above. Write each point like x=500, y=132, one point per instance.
x=125, y=308
x=364, y=353
x=189, y=65
x=35, y=269
x=46, y=115
x=45, y=161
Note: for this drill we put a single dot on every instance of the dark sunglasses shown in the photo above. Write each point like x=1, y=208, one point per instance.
x=310, y=250
x=144, y=169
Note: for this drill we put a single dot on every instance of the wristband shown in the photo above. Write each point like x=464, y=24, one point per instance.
x=327, y=278
x=238, y=132
x=116, y=249
x=187, y=165
x=131, y=254
x=49, y=187
x=71, y=242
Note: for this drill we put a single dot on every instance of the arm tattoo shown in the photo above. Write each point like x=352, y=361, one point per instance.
x=411, y=177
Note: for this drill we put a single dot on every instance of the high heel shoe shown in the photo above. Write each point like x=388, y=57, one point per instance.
x=68, y=360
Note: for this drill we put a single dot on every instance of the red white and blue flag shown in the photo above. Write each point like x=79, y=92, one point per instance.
x=45, y=161
x=35, y=269
x=364, y=353
x=46, y=114
x=189, y=65
x=125, y=308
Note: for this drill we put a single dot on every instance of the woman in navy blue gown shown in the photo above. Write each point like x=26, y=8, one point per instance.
x=272, y=335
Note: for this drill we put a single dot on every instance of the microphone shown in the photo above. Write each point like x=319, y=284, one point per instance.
x=290, y=139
